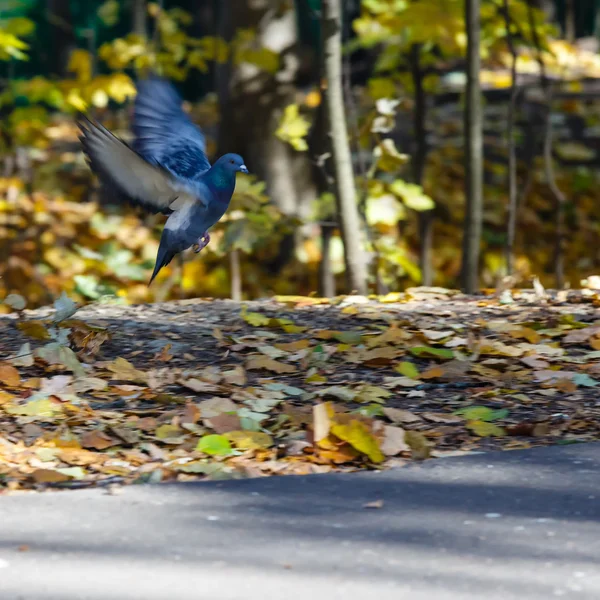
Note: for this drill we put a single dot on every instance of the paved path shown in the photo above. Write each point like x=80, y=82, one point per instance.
x=515, y=525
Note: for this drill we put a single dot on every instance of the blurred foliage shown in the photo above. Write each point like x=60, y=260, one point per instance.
x=55, y=236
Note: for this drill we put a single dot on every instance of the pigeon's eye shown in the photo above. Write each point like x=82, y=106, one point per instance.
x=232, y=161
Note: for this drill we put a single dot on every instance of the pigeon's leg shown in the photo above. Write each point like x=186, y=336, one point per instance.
x=202, y=242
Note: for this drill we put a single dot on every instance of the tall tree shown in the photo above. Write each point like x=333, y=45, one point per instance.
x=356, y=267
x=473, y=120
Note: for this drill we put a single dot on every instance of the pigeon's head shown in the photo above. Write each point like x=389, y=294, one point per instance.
x=233, y=162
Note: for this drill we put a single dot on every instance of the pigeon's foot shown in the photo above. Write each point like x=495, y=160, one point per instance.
x=202, y=242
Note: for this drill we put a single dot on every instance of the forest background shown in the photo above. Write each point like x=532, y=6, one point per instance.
x=252, y=74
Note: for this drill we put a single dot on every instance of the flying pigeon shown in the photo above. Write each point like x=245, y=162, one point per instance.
x=166, y=170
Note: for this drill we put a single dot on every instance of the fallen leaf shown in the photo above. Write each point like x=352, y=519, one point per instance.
x=264, y=362
x=9, y=375
x=49, y=476
x=223, y=423
x=123, y=370
x=23, y=357
x=321, y=422
x=235, y=376
x=485, y=429
x=407, y=369
x=358, y=435
x=443, y=353
x=41, y=407
x=393, y=441
x=419, y=446
x=250, y=440
x=98, y=440
x=214, y=445
x=398, y=415
x=191, y=413
x=34, y=329
x=216, y=406
x=442, y=418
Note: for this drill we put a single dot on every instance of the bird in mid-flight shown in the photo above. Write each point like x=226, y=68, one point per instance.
x=166, y=170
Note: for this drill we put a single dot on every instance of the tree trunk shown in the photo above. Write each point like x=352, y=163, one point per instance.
x=138, y=17
x=512, y=157
x=418, y=162
x=356, y=271
x=326, y=276
x=473, y=120
x=62, y=35
x=559, y=198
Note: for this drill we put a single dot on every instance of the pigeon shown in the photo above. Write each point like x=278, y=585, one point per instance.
x=166, y=169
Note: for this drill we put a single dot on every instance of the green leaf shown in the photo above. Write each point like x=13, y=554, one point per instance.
x=215, y=445
x=584, y=379
x=434, y=352
x=482, y=413
x=407, y=369
x=484, y=429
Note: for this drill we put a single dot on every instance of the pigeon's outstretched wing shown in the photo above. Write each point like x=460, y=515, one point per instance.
x=164, y=134
x=137, y=181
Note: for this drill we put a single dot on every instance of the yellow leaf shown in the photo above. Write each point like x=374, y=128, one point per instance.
x=358, y=435
x=44, y=407
x=293, y=128
x=249, y=440
x=80, y=63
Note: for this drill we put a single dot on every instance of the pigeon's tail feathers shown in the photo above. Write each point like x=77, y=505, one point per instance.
x=167, y=250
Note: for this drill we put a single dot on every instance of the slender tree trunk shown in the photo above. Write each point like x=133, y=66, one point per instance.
x=138, y=17
x=559, y=198
x=326, y=276
x=570, y=25
x=235, y=272
x=62, y=36
x=418, y=162
x=512, y=157
x=473, y=152
x=356, y=270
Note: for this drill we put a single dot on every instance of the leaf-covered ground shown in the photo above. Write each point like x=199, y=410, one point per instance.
x=207, y=388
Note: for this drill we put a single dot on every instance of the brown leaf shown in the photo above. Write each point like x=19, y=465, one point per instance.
x=223, y=423
x=191, y=413
x=164, y=355
x=397, y=415
x=216, y=406
x=122, y=369
x=197, y=385
x=49, y=476
x=98, y=440
x=442, y=418
x=78, y=457
x=235, y=376
x=9, y=375
x=264, y=362
x=34, y=329
x=433, y=373
x=129, y=436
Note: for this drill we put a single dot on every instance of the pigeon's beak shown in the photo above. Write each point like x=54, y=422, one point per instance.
x=244, y=169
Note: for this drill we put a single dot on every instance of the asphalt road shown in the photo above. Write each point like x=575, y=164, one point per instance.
x=502, y=526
